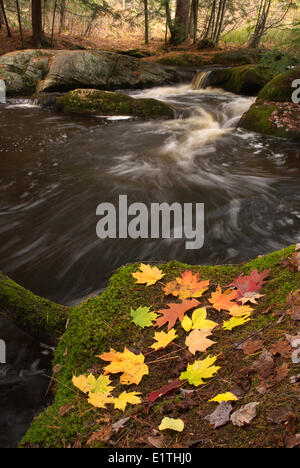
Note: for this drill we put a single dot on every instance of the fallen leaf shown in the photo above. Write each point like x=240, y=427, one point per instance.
x=173, y=424
x=142, y=317
x=239, y=311
x=280, y=415
x=220, y=416
x=200, y=322
x=244, y=415
x=91, y=384
x=153, y=396
x=148, y=275
x=281, y=348
x=294, y=303
x=100, y=400
x=223, y=301
x=252, y=346
x=200, y=370
x=163, y=339
x=102, y=435
x=198, y=341
x=175, y=312
x=186, y=286
x=252, y=283
x=157, y=442
x=125, y=398
x=236, y=322
x=264, y=365
x=131, y=365
x=65, y=409
x=224, y=397
x=250, y=297
x=119, y=424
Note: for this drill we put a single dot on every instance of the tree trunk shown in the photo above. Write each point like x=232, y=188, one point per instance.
x=180, y=30
x=62, y=24
x=53, y=23
x=20, y=23
x=37, y=27
x=146, y=12
x=5, y=18
x=261, y=23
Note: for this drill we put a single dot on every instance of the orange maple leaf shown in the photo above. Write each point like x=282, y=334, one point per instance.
x=186, y=286
x=175, y=312
x=223, y=301
x=131, y=365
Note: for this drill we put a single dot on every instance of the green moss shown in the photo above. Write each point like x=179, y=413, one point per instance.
x=102, y=322
x=257, y=119
x=183, y=60
x=237, y=57
x=280, y=88
x=92, y=101
x=247, y=79
x=37, y=316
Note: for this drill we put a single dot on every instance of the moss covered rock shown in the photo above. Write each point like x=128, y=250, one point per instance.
x=237, y=57
x=93, y=101
x=274, y=113
x=280, y=88
x=104, y=322
x=39, y=317
x=247, y=79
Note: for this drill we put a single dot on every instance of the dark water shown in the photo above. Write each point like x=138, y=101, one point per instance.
x=23, y=389
x=55, y=170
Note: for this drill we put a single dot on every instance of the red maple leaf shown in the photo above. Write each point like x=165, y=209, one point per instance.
x=252, y=283
x=153, y=396
x=175, y=312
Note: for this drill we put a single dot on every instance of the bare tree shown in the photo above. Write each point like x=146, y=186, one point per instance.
x=146, y=12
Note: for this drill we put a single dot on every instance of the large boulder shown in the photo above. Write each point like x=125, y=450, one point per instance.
x=237, y=57
x=274, y=113
x=64, y=70
x=247, y=79
x=95, y=102
x=103, y=70
x=22, y=70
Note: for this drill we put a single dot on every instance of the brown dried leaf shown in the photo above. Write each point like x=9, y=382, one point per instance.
x=101, y=435
x=252, y=346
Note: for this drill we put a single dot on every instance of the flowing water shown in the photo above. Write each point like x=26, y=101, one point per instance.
x=56, y=169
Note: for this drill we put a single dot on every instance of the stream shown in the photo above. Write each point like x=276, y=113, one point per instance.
x=56, y=169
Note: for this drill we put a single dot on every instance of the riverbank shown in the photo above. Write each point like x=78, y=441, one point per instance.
x=104, y=322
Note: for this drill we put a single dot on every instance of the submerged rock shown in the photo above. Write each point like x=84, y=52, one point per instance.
x=93, y=102
x=274, y=113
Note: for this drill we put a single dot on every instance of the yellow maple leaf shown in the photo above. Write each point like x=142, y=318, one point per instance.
x=200, y=321
x=91, y=384
x=200, y=370
x=224, y=397
x=187, y=323
x=198, y=341
x=238, y=311
x=131, y=365
x=126, y=397
x=171, y=423
x=148, y=274
x=99, y=400
x=163, y=339
x=236, y=322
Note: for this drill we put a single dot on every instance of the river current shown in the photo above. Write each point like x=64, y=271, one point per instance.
x=55, y=170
